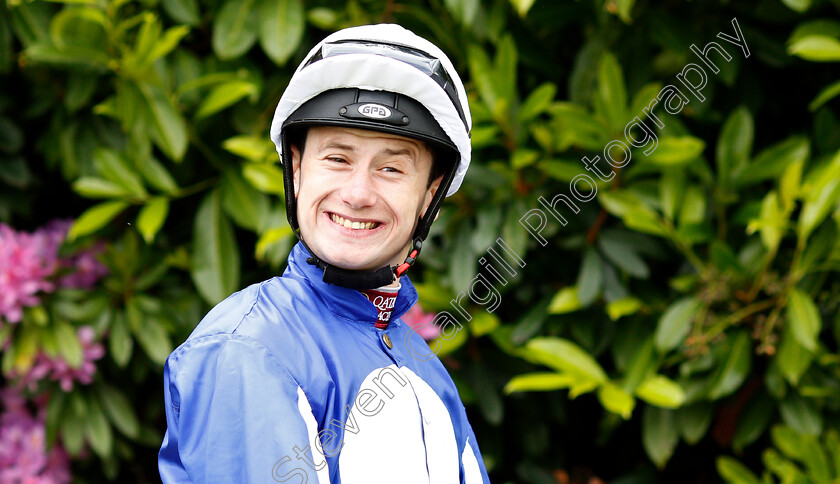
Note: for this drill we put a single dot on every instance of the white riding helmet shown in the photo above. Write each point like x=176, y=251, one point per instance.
x=384, y=78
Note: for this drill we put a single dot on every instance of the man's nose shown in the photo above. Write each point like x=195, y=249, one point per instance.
x=358, y=191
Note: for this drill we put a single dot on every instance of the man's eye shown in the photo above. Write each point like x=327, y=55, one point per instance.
x=391, y=169
x=337, y=160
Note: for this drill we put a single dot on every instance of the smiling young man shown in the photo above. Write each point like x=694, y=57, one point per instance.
x=297, y=379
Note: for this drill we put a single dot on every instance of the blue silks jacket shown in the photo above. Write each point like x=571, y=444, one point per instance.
x=289, y=381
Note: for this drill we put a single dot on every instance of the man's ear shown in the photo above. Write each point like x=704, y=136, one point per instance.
x=295, y=167
x=430, y=193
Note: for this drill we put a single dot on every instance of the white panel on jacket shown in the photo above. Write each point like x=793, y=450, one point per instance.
x=472, y=473
x=404, y=433
x=323, y=469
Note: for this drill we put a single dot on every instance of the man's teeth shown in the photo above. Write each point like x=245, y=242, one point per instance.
x=352, y=225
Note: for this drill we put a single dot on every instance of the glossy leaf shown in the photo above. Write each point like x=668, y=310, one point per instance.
x=675, y=323
x=616, y=400
x=565, y=356
x=734, y=472
x=661, y=391
x=735, y=143
x=95, y=218
x=542, y=382
x=119, y=410
x=215, y=261
x=734, y=368
x=151, y=218
x=281, y=28
x=804, y=318
x=235, y=28
x=659, y=434
x=565, y=301
x=676, y=150
x=97, y=430
x=225, y=95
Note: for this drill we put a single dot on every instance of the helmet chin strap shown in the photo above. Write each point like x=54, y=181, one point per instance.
x=371, y=279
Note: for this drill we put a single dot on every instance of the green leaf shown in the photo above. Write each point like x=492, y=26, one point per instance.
x=753, y=422
x=734, y=472
x=798, y=6
x=539, y=382
x=92, y=187
x=675, y=323
x=734, y=143
x=565, y=301
x=69, y=346
x=772, y=161
x=168, y=127
x=801, y=415
x=72, y=434
x=771, y=222
x=590, y=278
x=95, y=218
x=817, y=206
x=804, y=318
x=522, y=6
x=119, y=410
x=624, y=257
x=271, y=237
x=235, y=28
x=182, y=11
x=252, y=148
x=264, y=177
x=225, y=95
x=676, y=150
x=151, y=218
x=157, y=175
x=537, y=102
x=116, y=169
x=659, y=434
x=242, y=202
x=793, y=357
x=565, y=356
x=825, y=95
x=623, y=307
x=120, y=344
x=693, y=421
x=734, y=369
x=672, y=186
x=693, y=209
x=97, y=430
x=661, y=391
x=215, y=261
x=154, y=339
x=463, y=10
x=616, y=400
x=817, y=48
x=483, y=323
x=611, y=101
x=281, y=27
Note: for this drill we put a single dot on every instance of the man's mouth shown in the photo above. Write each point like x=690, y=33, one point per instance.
x=353, y=225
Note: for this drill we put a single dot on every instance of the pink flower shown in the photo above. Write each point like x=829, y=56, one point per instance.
x=58, y=370
x=23, y=453
x=29, y=265
x=421, y=322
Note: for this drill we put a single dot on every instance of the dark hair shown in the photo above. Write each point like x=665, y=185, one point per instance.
x=442, y=159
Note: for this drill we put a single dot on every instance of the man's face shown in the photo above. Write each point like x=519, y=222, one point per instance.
x=359, y=195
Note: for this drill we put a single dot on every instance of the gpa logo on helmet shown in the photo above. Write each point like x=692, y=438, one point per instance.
x=377, y=111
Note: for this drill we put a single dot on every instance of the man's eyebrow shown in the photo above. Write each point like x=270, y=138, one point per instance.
x=398, y=151
x=337, y=145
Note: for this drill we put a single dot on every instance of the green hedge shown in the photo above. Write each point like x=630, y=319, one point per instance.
x=675, y=313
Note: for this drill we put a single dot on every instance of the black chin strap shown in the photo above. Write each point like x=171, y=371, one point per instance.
x=383, y=276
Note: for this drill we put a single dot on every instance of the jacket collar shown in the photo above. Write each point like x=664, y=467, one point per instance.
x=343, y=302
